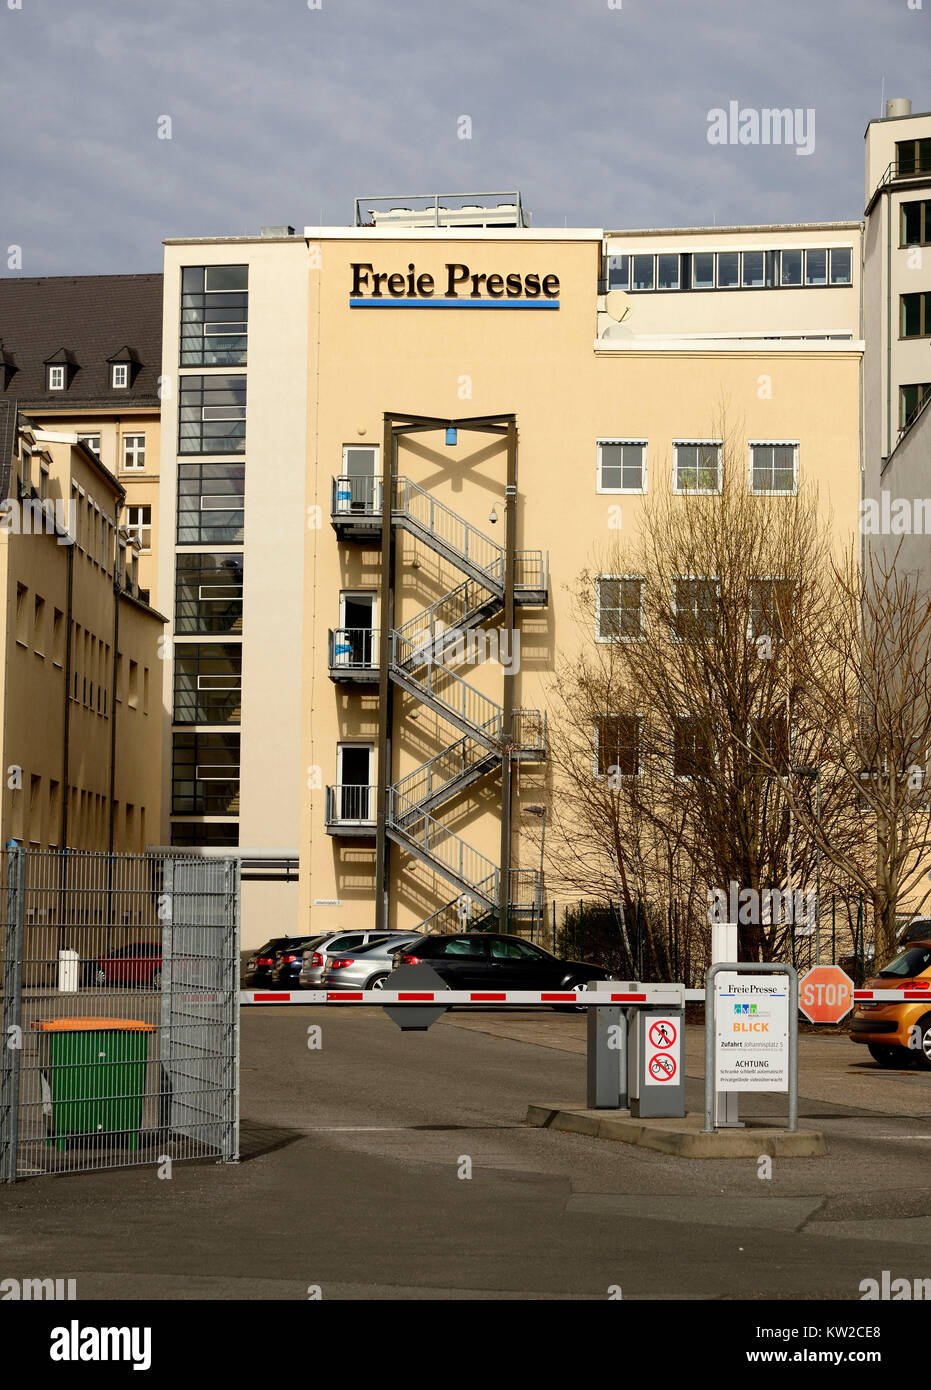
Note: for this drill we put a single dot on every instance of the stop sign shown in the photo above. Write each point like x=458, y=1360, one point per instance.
x=825, y=994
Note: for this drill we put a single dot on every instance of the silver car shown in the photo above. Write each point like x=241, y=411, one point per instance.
x=338, y=942
x=368, y=966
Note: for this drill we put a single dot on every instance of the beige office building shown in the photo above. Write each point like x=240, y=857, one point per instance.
x=527, y=387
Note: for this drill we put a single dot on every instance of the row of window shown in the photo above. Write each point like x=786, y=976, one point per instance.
x=695, y=607
x=44, y=634
x=729, y=270
x=133, y=453
x=617, y=740
x=59, y=374
x=208, y=593
x=772, y=466
x=35, y=816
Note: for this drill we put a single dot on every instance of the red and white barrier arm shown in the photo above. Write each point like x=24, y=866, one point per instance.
x=524, y=998
x=519, y=997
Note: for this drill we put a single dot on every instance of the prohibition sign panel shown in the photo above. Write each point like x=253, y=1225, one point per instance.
x=662, y=1067
x=663, y=1033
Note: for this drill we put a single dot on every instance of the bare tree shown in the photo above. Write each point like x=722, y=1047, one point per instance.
x=693, y=661
x=866, y=701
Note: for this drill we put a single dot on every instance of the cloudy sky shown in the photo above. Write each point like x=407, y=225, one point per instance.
x=597, y=110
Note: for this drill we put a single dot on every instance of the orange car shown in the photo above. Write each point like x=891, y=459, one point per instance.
x=897, y=1033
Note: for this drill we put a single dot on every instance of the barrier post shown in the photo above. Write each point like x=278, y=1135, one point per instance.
x=606, y=1052
x=749, y=968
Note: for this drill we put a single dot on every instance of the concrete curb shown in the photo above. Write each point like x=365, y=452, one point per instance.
x=684, y=1138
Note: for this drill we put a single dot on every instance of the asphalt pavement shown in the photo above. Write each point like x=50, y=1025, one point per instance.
x=389, y=1165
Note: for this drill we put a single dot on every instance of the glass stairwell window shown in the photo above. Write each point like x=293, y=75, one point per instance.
x=214, y=315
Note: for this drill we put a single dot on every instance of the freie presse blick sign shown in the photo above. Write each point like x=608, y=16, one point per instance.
x=460, y=288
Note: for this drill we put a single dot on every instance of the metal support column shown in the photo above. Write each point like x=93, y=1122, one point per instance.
x=507, y=701
x=385, y=684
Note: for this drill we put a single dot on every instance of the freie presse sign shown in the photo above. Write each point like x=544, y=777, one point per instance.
x=459, y=287
x=751, y=1033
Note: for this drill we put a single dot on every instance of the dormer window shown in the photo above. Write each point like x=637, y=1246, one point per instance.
x=56, y=378
x=119, y=375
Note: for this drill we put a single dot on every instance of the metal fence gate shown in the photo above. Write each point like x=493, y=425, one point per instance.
x=120, y=1031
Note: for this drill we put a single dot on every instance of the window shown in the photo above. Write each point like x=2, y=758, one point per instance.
x=212, y=415
x=775, y=744
x=207, y=683
x=622, y=465
x=752, y=269
x=916, y=223
x=38, y=625
x=692, y=749
x=728, y=269
x=56, y=378
x=618, y=608
x=773, y=468
x=211, y=503
x=643, y=277
x=916, y=315
x=58, y=637
x=214, y=315
x=911, y=399
x=22, y=615
x=508, y=948
x=139, y=521
x=697, y=466
x=790, y=269
x=205, y=773
x=119, y=375
x=134, y=451
x=618, y=272
x=703, y=270
x=208, y=593
x=913, y=157
x=475, y=949
x=840, y=265
x=695, y=606
x=617, y=745
x=90, y=441
x=771, y=608
x=203, y=834
x=816, y=267
x=667, y=272
x=132, y=696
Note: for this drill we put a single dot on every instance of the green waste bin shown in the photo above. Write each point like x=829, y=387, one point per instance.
x=93, y=1072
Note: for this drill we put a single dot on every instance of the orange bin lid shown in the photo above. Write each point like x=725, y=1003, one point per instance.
x=92, y=1025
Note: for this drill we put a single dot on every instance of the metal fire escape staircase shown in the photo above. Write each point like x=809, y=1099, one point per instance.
x=419, y=654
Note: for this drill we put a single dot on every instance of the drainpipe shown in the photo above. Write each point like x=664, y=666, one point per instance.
x=507, y=719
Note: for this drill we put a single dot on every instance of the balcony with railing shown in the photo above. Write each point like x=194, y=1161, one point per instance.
x=355, y=506
x=350, y=810
x=353, y=655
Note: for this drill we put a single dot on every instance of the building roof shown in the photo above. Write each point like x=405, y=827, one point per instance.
x=87, y=321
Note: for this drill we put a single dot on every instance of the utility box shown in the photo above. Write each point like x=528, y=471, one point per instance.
x=656, y=1065
x=69, y=968
x=607, y=1048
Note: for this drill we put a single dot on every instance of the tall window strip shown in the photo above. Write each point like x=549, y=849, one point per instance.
x=214, y=315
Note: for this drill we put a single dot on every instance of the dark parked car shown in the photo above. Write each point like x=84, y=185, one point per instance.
x=258, y=968
x=288, y=961
x=140, y=964
x=477, y=960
